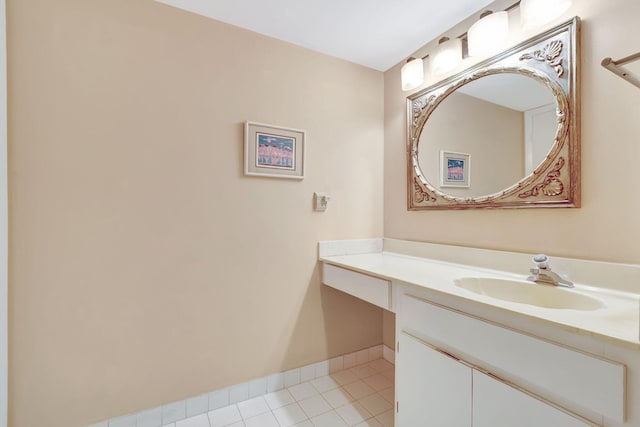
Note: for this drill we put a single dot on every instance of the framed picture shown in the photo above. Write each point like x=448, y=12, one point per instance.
x=273, y=151
x=455, y=169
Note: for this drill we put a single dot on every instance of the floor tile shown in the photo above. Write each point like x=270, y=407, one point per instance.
x=262, y=420
x=375, y=404
x=289, y=415
x=338, y=397
x=388, y=374
x=323, y=384
x=223, y=416
x=353, y=413
x=197, y=421
x=344, y=377
x=371, y=422
x=306, y=423
x=303, y=391
x=252, y=407
x=381, y=365
x=238, y=424
x=378, y=382
x=388, y=394
x=279, y=399
x=363, y=371
x=330, y=419
x=359, y=389
x=315, y=405
x=386, y=418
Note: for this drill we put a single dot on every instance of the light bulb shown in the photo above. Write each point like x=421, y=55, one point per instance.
x=412, y=74
x=447, y=56
x=489, y=34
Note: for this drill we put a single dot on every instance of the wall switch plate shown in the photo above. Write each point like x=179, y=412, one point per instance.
x=320, y=201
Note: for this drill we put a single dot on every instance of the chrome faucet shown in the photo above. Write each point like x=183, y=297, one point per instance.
x=543, y=274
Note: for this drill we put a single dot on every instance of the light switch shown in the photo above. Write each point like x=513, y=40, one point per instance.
x=320, y=201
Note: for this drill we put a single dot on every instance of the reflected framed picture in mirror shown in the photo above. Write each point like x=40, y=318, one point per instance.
x=455, y=169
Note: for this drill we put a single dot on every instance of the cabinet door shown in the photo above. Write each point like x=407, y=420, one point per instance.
x=496, y=404
x=433, y=389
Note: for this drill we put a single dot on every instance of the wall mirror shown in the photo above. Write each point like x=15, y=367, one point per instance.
x=501, y=134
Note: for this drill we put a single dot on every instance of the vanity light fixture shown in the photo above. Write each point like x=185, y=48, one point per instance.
x=447, y=56
x=534, y=13
x=412, y=73
x=489, y=34
x=486, y=36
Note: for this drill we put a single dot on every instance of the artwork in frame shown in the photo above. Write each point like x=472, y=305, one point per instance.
x=273, y=151
x=455, y=169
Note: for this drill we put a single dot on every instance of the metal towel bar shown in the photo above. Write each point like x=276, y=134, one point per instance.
x=616, y=68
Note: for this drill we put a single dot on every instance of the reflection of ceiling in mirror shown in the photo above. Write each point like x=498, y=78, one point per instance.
x=516, y=92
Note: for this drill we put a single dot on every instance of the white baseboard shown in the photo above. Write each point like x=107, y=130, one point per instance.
x=389, y=354
x=176, y=411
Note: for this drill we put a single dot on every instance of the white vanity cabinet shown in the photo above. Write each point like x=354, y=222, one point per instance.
x=443, y=362
x=497, y=404
x=437, y=389
x=434, y=388
x=467, y=359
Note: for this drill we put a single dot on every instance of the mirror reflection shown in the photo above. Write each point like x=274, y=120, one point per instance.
x=504, y=133
x=488, y=135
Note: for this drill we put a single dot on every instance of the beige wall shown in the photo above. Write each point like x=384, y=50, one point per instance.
x=606, y=227
x=491, y=134
x=389, y=329
x=144, y=267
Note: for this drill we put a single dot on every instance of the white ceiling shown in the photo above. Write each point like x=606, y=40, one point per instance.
x=374, y=33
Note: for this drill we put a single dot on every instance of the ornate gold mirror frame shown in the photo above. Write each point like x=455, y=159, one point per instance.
x=551, y=58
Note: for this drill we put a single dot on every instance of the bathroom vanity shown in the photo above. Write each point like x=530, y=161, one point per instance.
x=478, y=345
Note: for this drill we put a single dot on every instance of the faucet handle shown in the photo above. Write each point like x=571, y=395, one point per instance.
x=541, y=261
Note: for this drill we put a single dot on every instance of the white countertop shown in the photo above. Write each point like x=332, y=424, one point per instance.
x=618, y=320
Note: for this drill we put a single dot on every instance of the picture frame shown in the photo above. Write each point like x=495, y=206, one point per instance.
x=273, y=151
x=455, y=169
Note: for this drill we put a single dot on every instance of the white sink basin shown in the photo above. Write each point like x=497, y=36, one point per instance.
x=524, y=292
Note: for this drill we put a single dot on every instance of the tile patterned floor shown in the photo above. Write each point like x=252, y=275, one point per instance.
x=362, y=396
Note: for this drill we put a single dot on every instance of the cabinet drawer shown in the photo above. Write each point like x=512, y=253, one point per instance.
x=545, y=368
x=371, y=289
